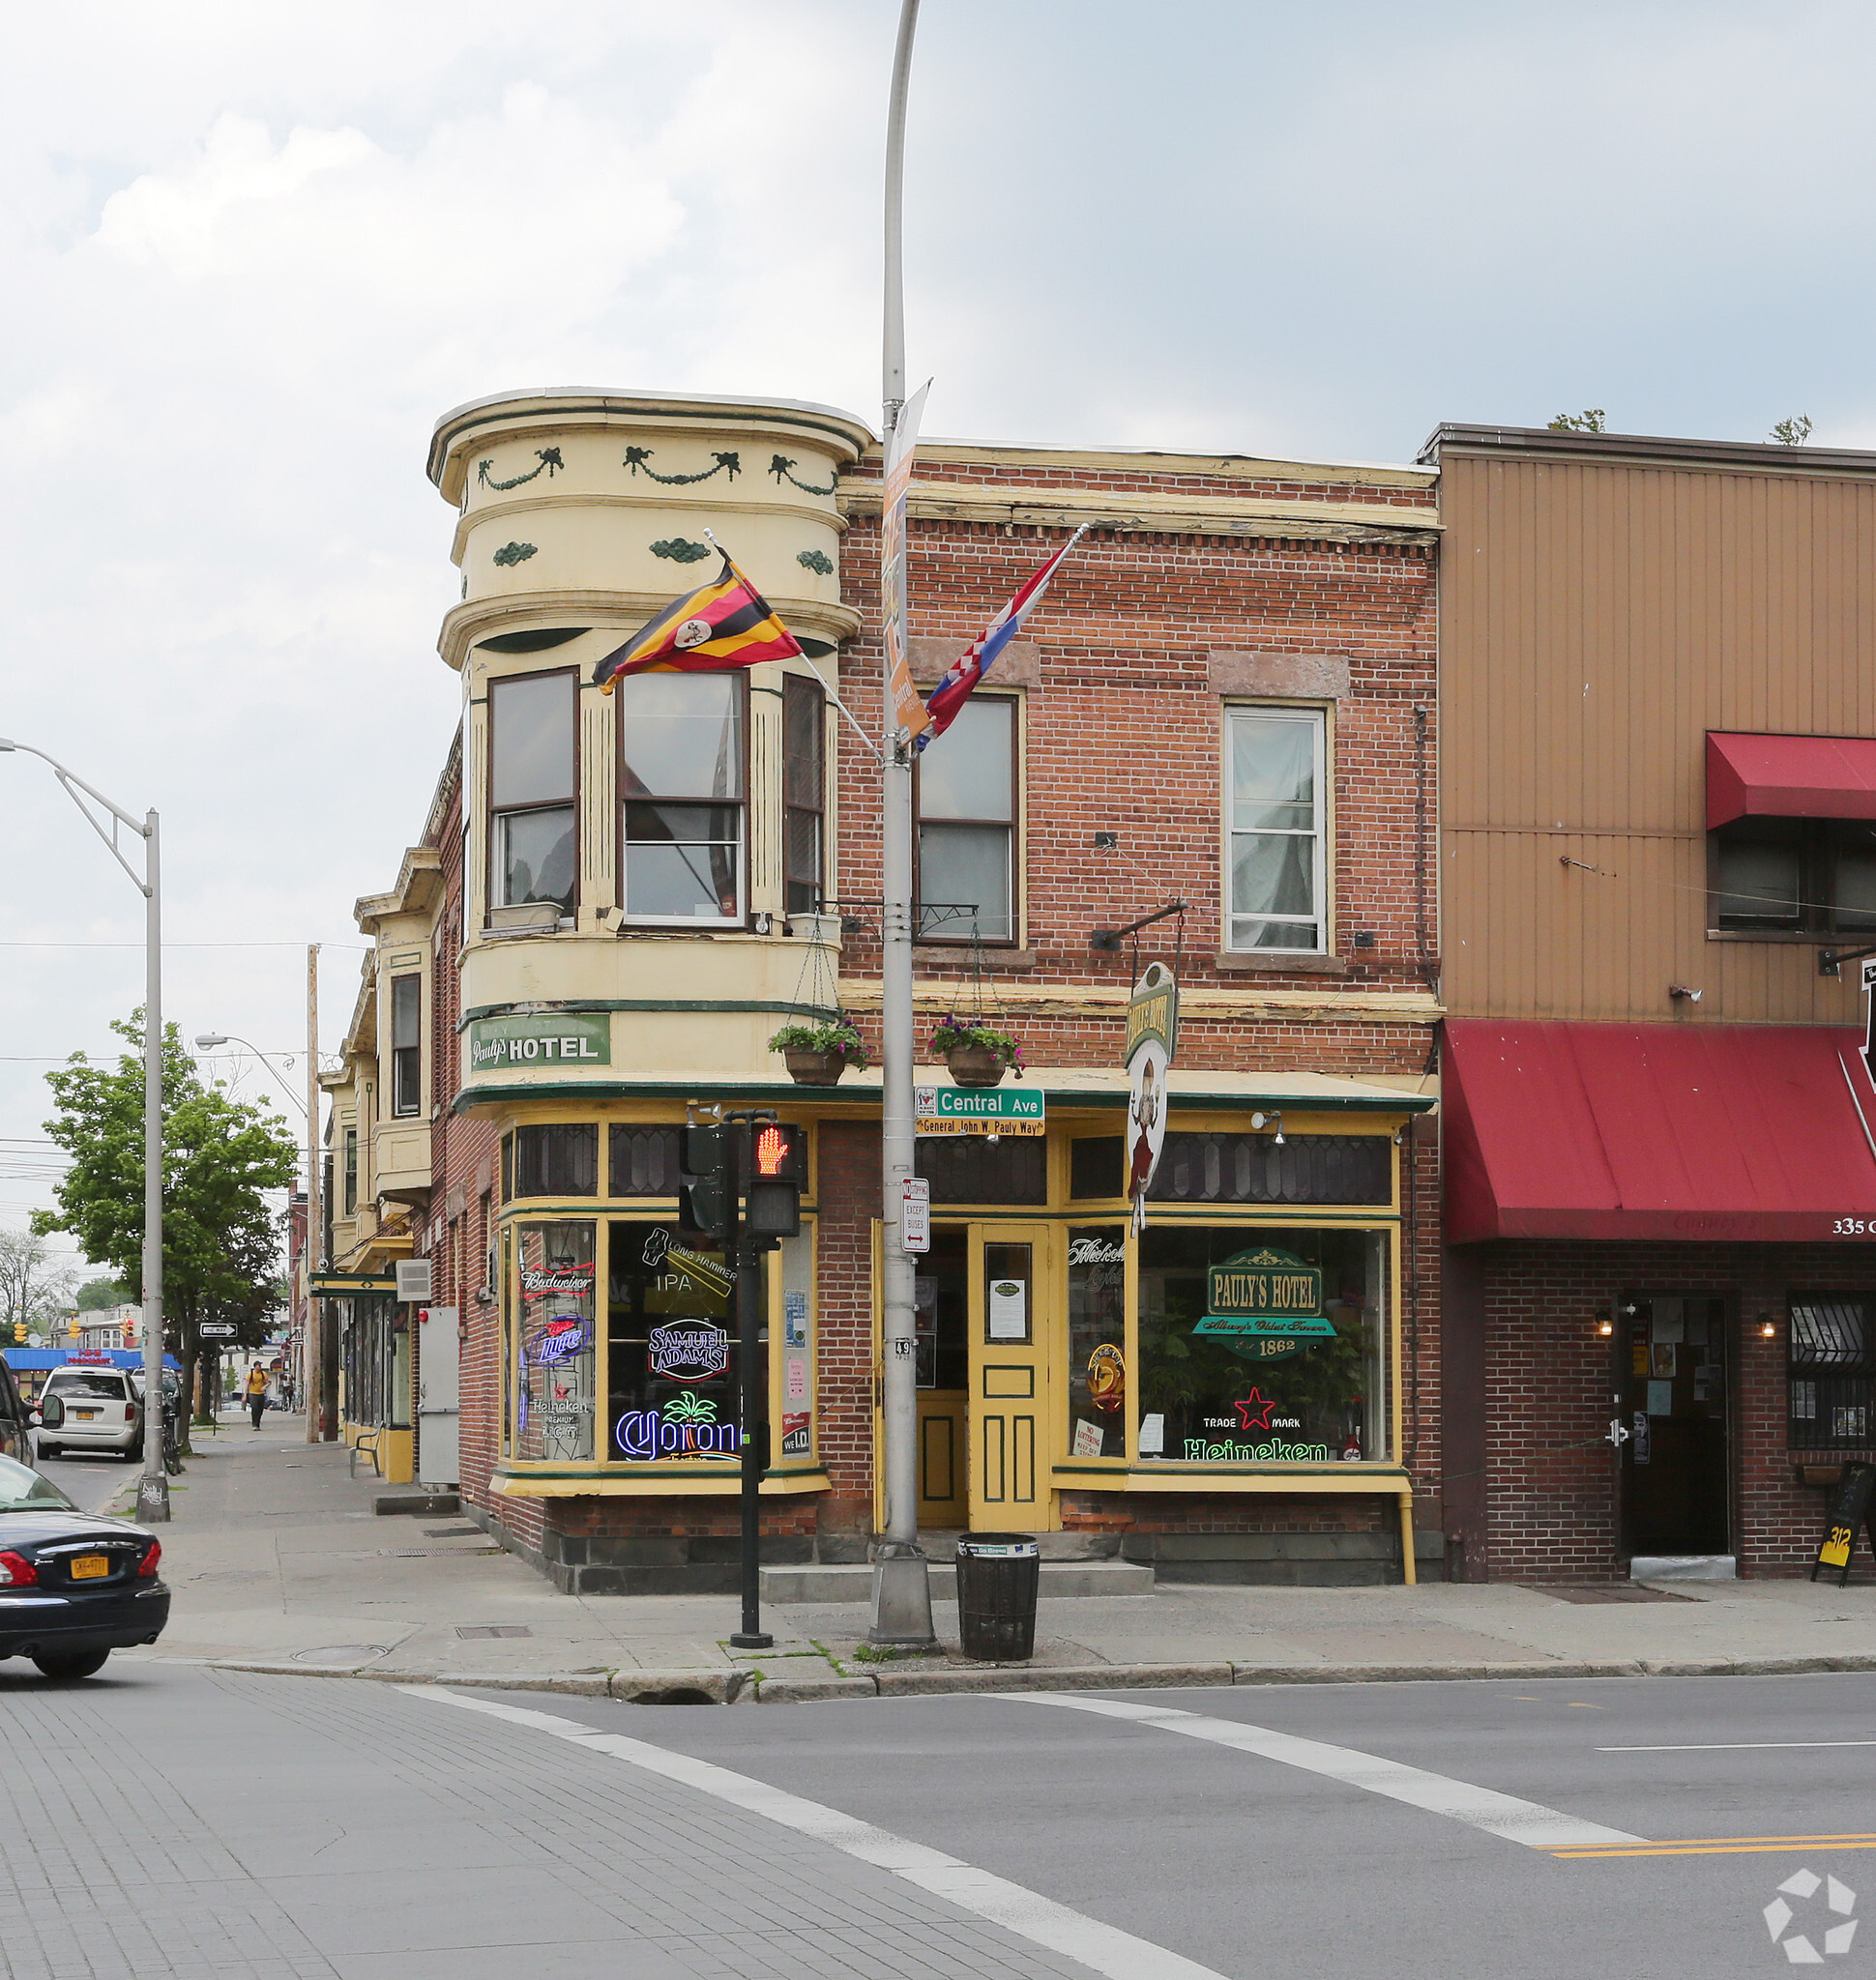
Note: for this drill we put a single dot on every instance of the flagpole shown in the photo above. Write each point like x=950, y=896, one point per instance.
x=902, y=1612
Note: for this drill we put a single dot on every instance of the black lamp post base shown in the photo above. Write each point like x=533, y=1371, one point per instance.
x=760, y=1640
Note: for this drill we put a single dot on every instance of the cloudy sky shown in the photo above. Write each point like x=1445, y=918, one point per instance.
x=251, y=251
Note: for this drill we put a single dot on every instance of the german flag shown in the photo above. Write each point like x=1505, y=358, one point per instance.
x=718, y=626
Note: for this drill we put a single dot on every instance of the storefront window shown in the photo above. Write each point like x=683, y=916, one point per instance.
x=1262, y=1345
x=1098, y=1343
x=557, y=1161
x=554, y=1404
x=672, y=1352
x=1829, y=1372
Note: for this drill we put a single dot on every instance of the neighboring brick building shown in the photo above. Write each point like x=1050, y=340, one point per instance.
x=1228, y=699
x=1656, y=811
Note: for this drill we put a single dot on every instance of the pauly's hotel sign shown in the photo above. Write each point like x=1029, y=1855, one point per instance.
x=544, y=1039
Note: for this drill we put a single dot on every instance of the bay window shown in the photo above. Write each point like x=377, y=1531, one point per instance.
x=531, y=771
x=1278, y=879
x=967, y=827
x=804, y=795
x=682, y=773
x=406, y=1044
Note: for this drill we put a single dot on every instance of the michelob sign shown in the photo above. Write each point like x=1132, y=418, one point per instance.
x=1265, y=1291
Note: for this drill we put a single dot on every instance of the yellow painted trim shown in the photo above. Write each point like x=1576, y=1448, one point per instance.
x=715, y=1484
x=1182, y=1477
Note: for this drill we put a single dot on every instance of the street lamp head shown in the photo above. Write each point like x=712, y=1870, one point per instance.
x=209, y=1039
x=5, y=745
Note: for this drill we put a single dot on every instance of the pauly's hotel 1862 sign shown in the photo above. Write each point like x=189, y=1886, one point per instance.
x=551, y=1038
x=1266, y=1294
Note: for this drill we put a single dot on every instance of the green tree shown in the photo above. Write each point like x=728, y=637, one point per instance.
x=1793, y=432
x=220, y=1239
x=35, y=1289
x=1589, y=421
x=95, y=1295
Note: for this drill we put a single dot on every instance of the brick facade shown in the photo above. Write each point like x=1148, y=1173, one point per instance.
x=1125, y=678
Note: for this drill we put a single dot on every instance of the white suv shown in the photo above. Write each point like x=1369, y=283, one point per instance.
x=101, y=1412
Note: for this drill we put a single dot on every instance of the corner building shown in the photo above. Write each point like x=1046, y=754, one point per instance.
x=1228, y=701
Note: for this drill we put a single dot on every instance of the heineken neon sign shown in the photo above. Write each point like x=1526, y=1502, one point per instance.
x=1265, y=1293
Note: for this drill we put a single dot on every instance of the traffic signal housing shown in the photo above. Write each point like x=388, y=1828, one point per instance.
x=778, y=1176
x=705, y=1183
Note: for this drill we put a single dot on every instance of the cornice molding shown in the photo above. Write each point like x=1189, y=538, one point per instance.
x=521, y=611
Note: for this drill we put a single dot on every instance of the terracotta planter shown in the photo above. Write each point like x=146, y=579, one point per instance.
x=815, y=1068
x=975, y=1066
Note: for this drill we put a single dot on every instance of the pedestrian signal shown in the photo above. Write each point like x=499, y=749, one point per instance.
x=777, y=1174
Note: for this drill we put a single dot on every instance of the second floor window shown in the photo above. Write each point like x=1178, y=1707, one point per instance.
x=351, y=1172
x=681, y=772
x=967, y=825
x=1795, y=876
x=406, y=1044
x=531, y=789
x=804, y=794
x=1276, y=881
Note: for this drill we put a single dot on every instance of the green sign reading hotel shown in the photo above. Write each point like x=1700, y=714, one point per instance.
x=1266, y=1293
x=546, y=1041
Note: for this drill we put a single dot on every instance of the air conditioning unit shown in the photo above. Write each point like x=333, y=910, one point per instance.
x=414, y=1287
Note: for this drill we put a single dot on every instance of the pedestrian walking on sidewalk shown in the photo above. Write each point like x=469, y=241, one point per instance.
x=256, y=1392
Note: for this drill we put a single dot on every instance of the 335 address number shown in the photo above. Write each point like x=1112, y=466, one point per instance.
x=1854, y=1227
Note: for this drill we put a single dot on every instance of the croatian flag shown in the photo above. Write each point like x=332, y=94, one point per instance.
x=981, y=655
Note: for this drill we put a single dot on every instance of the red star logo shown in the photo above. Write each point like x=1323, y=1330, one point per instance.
x=1254, y=1412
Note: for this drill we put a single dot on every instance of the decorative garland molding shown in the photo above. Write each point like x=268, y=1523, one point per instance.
x=636, y=458
x=515, y=553
x=679, y=551
x=782, y=468
x=816, y=561
x=548, y=459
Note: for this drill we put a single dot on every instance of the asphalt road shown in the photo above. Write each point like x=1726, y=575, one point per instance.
x=88, y=1479
x=321, y=1827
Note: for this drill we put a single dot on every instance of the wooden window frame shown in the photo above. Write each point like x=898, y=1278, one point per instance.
x=796, y=687
x=1319, y=716
x=743, y=918
x=495, y=813
x=1013, y=825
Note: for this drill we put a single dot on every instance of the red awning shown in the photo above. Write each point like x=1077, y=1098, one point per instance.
x=1741, y=1133
x=1790, y=776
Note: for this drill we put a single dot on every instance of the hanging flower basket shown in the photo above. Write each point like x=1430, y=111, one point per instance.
x=977, y=1054
x=818, y=1054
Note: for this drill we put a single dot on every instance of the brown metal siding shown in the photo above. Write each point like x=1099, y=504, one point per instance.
x=1595, y=621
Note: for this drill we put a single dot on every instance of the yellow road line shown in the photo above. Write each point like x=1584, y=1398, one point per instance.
x=1727, y=1846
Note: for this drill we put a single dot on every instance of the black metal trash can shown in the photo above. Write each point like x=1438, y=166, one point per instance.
x=997, y=1577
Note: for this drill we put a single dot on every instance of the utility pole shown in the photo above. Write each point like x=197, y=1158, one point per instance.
x=901, y=1611
x=312, y=1358
x=745, y=1258
x=153, y=1489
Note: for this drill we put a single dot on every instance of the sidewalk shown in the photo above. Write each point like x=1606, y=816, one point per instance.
x=280, y=1563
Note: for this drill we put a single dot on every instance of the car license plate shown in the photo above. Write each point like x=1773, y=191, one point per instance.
x=90, y=1567
x=84, y=1415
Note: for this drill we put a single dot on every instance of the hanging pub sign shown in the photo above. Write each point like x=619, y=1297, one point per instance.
x=1152, y=1037
x=1265, y=1293
x=1850, y=1508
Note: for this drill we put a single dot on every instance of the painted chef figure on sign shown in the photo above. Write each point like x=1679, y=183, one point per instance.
x=1151, y=1033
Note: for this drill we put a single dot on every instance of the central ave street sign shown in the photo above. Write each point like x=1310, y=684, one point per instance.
x=980, y=1110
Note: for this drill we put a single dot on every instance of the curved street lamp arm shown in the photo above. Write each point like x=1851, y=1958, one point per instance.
x=74, y=784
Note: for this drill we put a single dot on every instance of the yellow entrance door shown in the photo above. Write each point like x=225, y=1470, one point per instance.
x=1013, y=1299
x=942, y=1305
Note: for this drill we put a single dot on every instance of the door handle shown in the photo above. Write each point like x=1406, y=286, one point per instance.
x=1619, y=1434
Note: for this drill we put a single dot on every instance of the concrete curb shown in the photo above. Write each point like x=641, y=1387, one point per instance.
x=751, y=1687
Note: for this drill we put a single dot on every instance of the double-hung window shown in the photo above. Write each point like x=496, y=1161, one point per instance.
x=967, y=825
x=1277, y=879
x=804, y=794
x=682, y=769
x=532, y=768
x=351, y=1172
x=406, y=1044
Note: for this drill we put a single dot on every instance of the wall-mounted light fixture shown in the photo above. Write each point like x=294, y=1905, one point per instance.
x=1605, y=1324
x=1768, y=1328
x=1260, y=1121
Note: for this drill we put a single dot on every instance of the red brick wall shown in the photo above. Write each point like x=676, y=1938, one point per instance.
x=1551, y=1479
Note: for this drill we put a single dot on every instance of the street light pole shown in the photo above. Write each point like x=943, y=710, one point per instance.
x=901, y=1611
x=209, y=1039
x=153, y=1489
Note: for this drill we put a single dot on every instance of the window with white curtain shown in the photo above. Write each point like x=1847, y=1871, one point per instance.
x=1276, y=881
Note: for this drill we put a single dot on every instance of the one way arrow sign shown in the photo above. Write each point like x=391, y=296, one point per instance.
x=1870, y=1030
